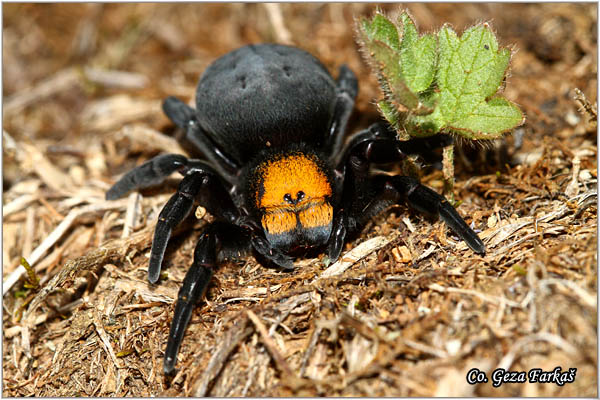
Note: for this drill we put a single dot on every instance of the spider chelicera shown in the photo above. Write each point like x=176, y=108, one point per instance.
x=278, y=179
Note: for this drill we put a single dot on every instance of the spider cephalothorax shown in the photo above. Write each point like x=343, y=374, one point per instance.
x=270, y=121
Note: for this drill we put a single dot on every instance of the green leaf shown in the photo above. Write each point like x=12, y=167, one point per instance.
x=381, y=46
x=439, y=82
x=471, y=70
x=389, y=112
x=383, y=30
x=396, y=119
x=489, y=119
x=417, y=56
x=33, y=282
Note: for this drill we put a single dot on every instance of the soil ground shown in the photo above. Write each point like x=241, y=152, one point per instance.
x=410, y=318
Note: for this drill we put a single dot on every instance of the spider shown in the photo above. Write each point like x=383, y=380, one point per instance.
x=278, y=178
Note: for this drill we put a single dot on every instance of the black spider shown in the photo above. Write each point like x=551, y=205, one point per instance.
x=270, y=120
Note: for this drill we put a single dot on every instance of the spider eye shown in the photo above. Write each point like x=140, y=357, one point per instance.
x=288, y=198
x=300, y=195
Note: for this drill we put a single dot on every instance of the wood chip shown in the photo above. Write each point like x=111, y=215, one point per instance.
x=58, y=82
x=56, y=234
x=115, y=79
x=115, y=111
x=355, y=255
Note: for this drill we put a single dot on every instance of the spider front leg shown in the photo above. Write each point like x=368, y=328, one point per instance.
x=194, y=285
x=200, y=182
x=218, y=241
x=427, y=201
x=196, y=184
x=347, y=89
x=151, y=173
x=365, y=196
x=154, y=172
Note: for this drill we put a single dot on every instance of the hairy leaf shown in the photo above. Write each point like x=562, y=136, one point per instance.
x=471, y=70
x=440, y=82
x=417, y=56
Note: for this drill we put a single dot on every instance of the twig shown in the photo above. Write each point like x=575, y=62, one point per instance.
x=286, y=308
x=150, y=138
x=47, y=171
x=234, y=299
x=276, y=18
x=159, y=294
x=105, y=339
x=579, y=292
x=111, y=249
x=169, y=34
x=490, y=299
x=56, y=234
x=556, y=340
x=258, y=360
x=116, y=79
x=115, y=111
x=60, y=81
x=17, y=204
x=234, y=336
x=355, y=255
x=427, y=252
x=500, y=235
x=131, y=215
x=141, y=306
x=311, y=345
x=50, y=208
x=270, y=345
x=423, y=348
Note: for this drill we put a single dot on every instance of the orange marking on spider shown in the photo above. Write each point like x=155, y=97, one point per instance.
x=279, y=222
x=294, y=189
x=319, y=214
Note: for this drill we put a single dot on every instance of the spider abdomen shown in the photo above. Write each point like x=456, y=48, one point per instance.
x=262, y=96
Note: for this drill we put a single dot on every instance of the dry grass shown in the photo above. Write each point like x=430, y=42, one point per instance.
x=409, y=315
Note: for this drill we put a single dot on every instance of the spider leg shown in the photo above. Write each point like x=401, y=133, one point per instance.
x=427, y=201
x=390, y=149
x=184, y=117
x=264, y=248
x=347, y=89
x=261, y=245
x=194, y=285
x=150, y=173
x=153, y=172
x=216, y=240
x=396, y=149
x=338, y=234
x=364, y=195
x=211, y=193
